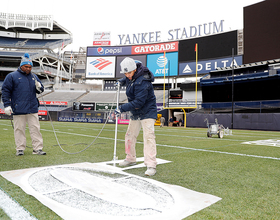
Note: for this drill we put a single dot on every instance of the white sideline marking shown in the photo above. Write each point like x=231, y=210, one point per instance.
x=14, y=210
x=220, y=152
x=180, y=147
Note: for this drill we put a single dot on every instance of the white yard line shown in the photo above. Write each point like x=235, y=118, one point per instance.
x=180, y=147
x=14, y=210
x=220, y=152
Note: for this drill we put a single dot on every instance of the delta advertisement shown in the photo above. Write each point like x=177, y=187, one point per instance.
x=189, y=68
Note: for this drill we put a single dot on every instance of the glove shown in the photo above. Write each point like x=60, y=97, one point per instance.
x=8, y=110
x=118, y=84
x=117, y=112
x=38, y=86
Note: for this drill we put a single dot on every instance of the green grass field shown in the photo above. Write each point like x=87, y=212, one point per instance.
x=245, y=176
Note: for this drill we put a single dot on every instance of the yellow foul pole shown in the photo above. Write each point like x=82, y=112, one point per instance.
x=164, y=81
x=196, y=49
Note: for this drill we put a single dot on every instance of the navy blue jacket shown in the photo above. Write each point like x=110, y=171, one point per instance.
x=140, y=94
x=19, y=92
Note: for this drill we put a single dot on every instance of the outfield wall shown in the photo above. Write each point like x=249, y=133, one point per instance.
x=247, y=121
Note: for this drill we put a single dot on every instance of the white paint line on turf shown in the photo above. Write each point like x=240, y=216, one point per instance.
x=220, y=152
x=14, y=210
x=180, y=147
x=269, y=142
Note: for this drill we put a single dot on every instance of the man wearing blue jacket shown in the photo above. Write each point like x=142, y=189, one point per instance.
x=143, y=109
x=19, y=96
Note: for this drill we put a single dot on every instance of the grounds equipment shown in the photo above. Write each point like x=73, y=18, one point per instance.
x=217, y=129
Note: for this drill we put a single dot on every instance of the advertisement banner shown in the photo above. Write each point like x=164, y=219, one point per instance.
x=159, y=106
x=123, y=121
x=101, y=43
x=207, y=65
x=155, y=48
x=108, y=51
x=42, y=112
x=54, y=103
x=105, y=106
x=160, y=65
x=100, y=67
x=83, y=106
x=140, y=58
x=86, y=120
x=102, y=38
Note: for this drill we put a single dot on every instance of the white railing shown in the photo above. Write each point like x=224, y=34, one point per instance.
x=51, y=71
x=9, y=20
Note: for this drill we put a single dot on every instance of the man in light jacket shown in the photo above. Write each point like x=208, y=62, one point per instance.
x=142, y=105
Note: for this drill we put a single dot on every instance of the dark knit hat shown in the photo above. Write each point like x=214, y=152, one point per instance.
x=26, y=60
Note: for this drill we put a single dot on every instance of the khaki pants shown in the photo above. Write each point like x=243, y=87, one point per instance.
x=34, y=129
x=150, y=150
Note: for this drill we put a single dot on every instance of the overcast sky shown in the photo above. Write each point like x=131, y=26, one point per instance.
x=126, y=17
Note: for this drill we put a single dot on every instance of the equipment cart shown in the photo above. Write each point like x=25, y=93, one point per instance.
x=217, y=129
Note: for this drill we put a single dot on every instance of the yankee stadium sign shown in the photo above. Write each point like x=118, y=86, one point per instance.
x=173, y=34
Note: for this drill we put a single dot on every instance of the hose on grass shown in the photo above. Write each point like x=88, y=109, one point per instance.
x=90, y=143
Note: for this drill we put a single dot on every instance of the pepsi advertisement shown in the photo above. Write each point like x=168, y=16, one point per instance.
x=108, y=51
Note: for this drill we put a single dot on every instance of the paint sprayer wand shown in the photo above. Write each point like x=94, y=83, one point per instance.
x=116, y=125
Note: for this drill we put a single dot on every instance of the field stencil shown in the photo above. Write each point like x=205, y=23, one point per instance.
x=104, y=191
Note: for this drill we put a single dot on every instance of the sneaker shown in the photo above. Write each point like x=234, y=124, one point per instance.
x=126, y=163
x=39, y=152
x=150, y=171
x=19, y=153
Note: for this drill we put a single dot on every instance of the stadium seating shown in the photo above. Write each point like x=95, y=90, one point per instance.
x=63, y=95
x=29, y=43
x=159, y=95
x=105, y=96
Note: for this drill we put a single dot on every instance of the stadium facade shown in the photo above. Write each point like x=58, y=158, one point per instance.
x=236, y=71
x=39, y=35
